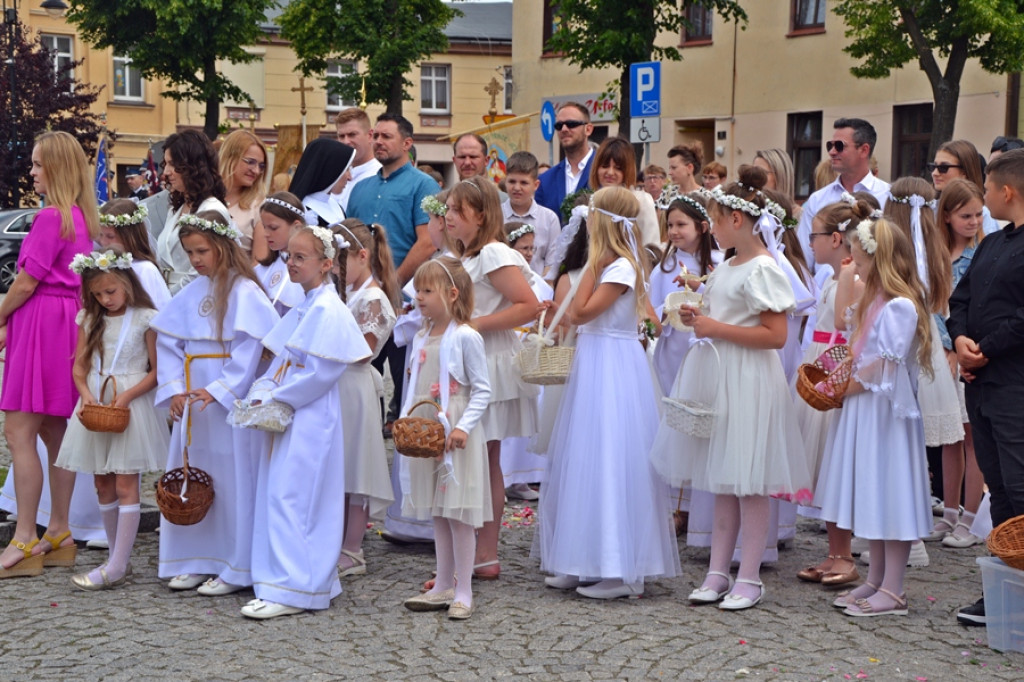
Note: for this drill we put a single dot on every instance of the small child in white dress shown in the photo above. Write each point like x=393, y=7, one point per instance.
x=367, y=282
x=299, y=511
x=281, y=214
x=115, y=364
x=448, y=366
x=123, y=225
x=876, y=480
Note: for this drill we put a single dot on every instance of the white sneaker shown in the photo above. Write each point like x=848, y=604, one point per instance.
x=521, y=491
x=215, y=587
x=97, y=544
x=918, y=556
x=188, y=581
x=262, y=610
x=962, y=537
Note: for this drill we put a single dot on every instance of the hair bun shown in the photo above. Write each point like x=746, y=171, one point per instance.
x=752, y=176
x=862, y=210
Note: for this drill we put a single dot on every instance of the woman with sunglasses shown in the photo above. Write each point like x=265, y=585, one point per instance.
x=960, y=159
x=243, y=165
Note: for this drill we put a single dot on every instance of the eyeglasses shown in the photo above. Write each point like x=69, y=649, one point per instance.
x=253, y=163
x=838, y=145
x=569, y=124
x=941, y=168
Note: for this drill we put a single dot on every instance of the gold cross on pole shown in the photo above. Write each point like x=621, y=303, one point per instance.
x=493, y=89
x=302, y=90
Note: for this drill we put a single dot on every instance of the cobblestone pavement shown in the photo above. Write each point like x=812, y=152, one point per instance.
x=521, y=630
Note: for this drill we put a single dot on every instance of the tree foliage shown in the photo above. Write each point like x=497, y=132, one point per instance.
x=45, y=98
x=889, y=34
x=387, y=37
x=179, y=41
x=595, y=34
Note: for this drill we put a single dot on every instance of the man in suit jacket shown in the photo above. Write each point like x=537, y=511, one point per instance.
x=573, y=127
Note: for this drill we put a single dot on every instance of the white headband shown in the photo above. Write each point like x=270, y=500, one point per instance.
x=285, y=205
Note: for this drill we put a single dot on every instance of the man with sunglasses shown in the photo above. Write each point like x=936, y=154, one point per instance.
x=573, y=127
x=853, y=141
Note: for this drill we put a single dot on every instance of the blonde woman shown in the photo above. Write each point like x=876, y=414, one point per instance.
x=243, y=165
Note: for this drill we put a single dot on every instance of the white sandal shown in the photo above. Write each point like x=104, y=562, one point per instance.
x=705, y=595
x=358, y=566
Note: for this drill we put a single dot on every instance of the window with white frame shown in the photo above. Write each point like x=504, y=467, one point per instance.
x=337, y=69
x=508, y=90
x=60, y=48
x=127, y=79
x=435, y=88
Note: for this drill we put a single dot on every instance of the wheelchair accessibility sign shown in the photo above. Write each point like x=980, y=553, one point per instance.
x=645, y=130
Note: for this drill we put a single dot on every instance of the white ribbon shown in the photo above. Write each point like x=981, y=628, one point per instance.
x=627, y=226
x=565, y=237
x=768, y=225
x=126, y=323
x=183, y=443
x=916, y=202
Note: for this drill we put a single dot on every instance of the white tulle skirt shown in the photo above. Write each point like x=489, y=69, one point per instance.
x=937, y=395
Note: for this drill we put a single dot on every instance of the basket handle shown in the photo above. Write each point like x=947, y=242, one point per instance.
x=423, y=402
x=103, y=389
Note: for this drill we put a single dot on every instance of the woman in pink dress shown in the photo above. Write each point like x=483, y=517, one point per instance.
x=37, y=327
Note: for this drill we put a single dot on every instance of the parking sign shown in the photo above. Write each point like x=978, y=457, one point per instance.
x=645, y=89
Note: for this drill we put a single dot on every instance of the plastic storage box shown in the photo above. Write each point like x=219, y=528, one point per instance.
x=1004, y=604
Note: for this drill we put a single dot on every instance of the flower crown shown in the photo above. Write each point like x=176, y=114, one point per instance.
x=864, y=236
x=134, y=218
x=327, y=238
x=736, y=203
x=912, y=199
x=697, y=206
x=228, y=231
x=431, y=205
x=516, y=235
x=97, y=260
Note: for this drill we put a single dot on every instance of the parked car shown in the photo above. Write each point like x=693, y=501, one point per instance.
x=14, y=225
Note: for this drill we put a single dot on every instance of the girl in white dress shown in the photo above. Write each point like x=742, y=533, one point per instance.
x=911, y=207
x=876, y=480
x=115, y=341
x=123, y=226
x=299, y=510
x=503, y=301
x=367, y=282
x=603, y=508
x=754, y=451
x=208, y=349
x=829, y=247
x=448, y=365
x=281, y=214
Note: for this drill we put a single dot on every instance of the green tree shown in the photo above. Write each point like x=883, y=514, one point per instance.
x=595, y=34
x=36, y=97
x=179, y=41
x=388, y=37
x=889, y=34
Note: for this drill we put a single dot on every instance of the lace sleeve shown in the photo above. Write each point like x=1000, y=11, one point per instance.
x=374, y=315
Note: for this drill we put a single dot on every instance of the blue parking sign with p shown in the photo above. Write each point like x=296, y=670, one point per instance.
x=645, y=89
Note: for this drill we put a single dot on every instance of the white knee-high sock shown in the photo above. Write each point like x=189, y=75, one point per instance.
x=108, y=512
x=464, y=544
x=127, y=527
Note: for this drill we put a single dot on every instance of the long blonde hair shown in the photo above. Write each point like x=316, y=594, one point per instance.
x=940, y=271
x=607, y=235
x=68, y=181
x=230, y=155
x=894, y=275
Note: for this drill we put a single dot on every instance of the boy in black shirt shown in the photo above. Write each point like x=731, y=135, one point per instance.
x=987, y=326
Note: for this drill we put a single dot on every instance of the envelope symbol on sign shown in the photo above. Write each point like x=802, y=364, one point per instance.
x=649, y=107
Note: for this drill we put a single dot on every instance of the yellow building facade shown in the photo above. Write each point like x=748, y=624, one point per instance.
x=776, y=84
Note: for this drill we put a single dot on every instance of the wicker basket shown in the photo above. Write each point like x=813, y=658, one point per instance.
x=693, y=417
x=1006, y=541
x=834, y=367
x=185, y=494
x=105, y=418
x=419, y=436
x=542, y=364
x=679, y=298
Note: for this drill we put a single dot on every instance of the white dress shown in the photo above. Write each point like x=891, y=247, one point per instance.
x=755, y=446
x=299, y=511
x=190, y=356
x=603, y=511
x=464, y=494
x=875, y=481
x=361, y=389
x=142, y=446
x=513, y=407
x=283, y=292
x=152, y=281
x=937, y=395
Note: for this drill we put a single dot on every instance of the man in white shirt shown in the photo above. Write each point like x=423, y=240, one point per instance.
x=853, y=141
x=573, y=127
x=354, y=129
x=521, y=183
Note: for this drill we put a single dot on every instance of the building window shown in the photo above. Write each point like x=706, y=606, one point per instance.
x=435, y=83
x=337, y=69
x=63, y=57
x=127, y=79
x=551, y=22
x=508, y=90
x=912, y=131
x=698, y=28
x=805, y=150
x=808, y=15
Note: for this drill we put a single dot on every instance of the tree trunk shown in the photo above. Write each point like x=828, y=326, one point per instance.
x=625, y=118
x=395, y=96
x=211, y=123
x=947, y=97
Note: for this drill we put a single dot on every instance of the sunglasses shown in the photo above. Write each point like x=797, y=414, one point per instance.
x=569, y=124
x=838, y=145
x=942, y=168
